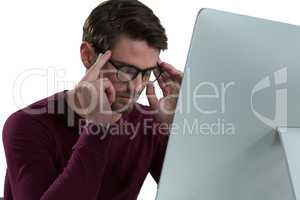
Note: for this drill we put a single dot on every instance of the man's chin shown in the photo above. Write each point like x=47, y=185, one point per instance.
x=121, y=107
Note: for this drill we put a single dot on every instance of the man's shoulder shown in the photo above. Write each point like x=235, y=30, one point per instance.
x=35, y=112
x=20, y=128
x=30, y=122
x=46, y=105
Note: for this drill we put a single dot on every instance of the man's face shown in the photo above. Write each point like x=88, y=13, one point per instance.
x=128, y=51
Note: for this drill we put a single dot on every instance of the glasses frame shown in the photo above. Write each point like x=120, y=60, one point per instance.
x=143, y=71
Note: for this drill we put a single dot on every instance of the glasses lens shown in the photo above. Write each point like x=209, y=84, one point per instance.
x=126, y=73
x=154, y=75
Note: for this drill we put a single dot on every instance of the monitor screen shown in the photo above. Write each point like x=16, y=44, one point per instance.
x=241, y=82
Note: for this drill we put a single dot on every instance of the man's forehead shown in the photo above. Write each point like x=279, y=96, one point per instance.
x=133, y=45
x=122, y=63
x=138, y=53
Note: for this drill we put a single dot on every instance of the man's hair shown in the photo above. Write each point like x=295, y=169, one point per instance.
x=112, y=18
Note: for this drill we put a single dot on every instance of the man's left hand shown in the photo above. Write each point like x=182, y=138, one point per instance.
x=169, y=82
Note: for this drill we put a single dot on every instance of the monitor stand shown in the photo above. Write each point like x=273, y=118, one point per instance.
x=290, y=140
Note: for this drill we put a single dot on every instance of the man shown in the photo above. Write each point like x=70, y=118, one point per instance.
x=97, y=156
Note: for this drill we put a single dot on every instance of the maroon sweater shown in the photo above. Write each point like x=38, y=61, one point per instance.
x=49, y=158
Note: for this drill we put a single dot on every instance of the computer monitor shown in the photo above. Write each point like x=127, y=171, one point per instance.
x=241, y=82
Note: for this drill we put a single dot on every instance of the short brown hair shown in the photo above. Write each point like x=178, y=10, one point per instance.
x=112, y=18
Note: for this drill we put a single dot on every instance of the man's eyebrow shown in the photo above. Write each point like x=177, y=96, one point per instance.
x=117, y=62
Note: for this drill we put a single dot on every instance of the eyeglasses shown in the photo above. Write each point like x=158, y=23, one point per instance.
x=127, y=72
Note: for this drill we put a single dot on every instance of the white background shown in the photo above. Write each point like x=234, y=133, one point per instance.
x=44, y=36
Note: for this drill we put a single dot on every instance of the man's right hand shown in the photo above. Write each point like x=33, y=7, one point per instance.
x=95, y=94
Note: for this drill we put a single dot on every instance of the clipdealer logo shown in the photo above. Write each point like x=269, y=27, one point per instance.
x=280, y=116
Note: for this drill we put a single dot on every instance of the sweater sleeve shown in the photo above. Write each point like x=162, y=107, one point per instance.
x=31, y=165
x=162, y=135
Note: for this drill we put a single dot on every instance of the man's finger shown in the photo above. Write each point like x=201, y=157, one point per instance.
x=164, y=83
x=93, y=72
x=109, y=90
x=172, y=72
x=151, y=96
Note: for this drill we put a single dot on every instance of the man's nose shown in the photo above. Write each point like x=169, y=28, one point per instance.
x=136, y=84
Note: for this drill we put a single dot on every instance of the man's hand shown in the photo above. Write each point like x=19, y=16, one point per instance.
x=169, y=82
x=95, y=94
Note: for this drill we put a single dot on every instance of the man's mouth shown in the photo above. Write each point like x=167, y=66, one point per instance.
x=124, y=97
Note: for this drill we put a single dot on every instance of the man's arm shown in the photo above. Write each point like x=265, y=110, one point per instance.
x=31, y=168
x=169, y=82
x=158, y=159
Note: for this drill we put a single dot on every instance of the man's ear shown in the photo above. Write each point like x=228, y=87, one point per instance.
x=88, y=55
